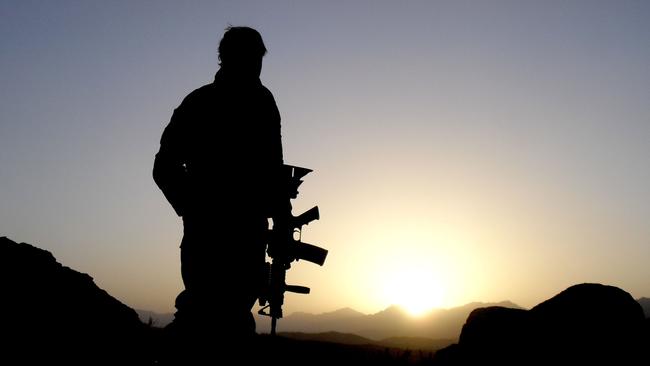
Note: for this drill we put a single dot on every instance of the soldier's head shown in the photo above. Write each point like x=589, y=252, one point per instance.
x=241, y=50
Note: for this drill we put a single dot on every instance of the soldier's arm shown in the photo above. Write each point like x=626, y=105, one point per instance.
x=280, y=200
x=169, y=170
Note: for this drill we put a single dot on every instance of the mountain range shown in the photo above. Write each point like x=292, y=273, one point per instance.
x=443, y=324
x=391, y=322
x=439, y=324
x=51, y=311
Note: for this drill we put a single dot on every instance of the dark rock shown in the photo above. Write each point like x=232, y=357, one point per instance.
x=645, y=304
x=54, y=314
x=589, y=321
x=585, y=324
x=494, y=331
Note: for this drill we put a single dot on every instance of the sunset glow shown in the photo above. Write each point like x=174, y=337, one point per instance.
x=416, y=290
x=461, y=150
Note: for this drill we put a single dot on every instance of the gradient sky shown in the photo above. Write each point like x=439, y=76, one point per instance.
x=464, y=150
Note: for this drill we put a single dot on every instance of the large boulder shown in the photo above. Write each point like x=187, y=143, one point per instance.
x=645, y=304
x=589, y=321
x=586, y=323
x=51, y=313
x=495, y=330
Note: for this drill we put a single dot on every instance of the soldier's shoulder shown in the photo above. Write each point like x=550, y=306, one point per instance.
x=267, y=93
x=199, y=94
x=266, y=90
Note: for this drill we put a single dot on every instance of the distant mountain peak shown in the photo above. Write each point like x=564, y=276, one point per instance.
x=345, y=312
x=479, y=304
x=508, y=304
x=392, y=310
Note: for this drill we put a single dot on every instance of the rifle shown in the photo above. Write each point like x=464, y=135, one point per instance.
x=283, y=248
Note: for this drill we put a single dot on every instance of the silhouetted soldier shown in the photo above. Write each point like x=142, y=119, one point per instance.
x=220, y=167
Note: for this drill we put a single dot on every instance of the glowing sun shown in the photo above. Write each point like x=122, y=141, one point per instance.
x=416, y=290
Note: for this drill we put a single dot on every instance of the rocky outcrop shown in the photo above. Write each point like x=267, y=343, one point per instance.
x=51, y=313
x=589, y=319
x=493, y=329
x=645, y=304
x=587, y=323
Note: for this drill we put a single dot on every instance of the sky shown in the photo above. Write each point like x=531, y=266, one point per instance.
x=462, y=150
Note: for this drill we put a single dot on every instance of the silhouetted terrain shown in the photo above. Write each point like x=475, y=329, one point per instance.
x=391, y=322
x=412, y=343
x=286, y=351
x=645, y=305
x=156, y=319
x=55, y=315
x=585, y=324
